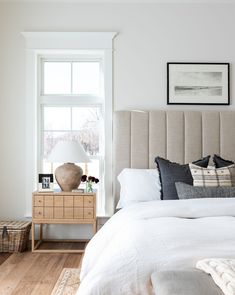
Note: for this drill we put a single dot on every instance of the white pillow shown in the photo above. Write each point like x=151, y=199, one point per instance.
x=138, y=185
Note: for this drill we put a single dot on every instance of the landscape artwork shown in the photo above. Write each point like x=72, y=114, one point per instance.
x=194, y=83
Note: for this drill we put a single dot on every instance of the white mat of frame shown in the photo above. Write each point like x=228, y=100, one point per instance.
x=68, y=282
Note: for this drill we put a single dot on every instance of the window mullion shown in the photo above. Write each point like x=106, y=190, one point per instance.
x=71, y=120
x=71, y=83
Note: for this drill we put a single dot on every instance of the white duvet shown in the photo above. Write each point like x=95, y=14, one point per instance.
x=152, y=236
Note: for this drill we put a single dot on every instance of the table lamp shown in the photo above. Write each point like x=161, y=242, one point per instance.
x=68, y=175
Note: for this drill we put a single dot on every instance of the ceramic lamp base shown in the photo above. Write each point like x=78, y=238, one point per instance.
x=68, y=176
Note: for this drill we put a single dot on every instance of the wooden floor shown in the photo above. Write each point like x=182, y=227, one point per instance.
x=4, y=256
x=33, y=273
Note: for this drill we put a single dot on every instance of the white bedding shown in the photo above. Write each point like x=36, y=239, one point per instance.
x=157, y=235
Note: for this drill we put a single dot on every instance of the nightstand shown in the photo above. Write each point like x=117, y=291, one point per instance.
x=61, y=208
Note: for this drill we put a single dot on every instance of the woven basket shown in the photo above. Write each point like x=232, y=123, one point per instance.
x=14, y=235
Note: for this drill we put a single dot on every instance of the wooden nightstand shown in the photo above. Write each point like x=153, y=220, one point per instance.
x=62, y=208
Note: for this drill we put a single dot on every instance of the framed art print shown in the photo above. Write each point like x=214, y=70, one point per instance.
x=45, y=182
x=198, y=83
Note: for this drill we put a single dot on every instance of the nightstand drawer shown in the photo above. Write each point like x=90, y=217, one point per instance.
x=78, y=201
x=38, y=212
x=89, y=201
x=68, y=213
x=58, y=201
x=48, y=212
x=68, y=201
x=78, y=213
x=88, y=213
x=48, y=201
x=58, y=212
x=38, y=201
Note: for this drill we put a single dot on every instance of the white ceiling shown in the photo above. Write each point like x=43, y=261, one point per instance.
x=119, y=1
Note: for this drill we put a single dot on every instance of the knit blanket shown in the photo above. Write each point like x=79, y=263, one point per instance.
x=222, y=272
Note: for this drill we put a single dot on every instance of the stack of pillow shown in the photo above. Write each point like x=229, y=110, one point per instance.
x=172, y=181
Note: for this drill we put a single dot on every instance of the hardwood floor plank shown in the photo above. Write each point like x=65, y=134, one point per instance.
x=12, y=273
x=42, y=275
x=73, y=261
x=46, y=285
x=15, y=261
x=3, y=257
x=34, y=273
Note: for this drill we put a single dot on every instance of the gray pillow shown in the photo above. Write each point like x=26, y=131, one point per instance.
x=186, y=191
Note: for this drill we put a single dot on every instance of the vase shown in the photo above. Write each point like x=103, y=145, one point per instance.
x=89, y=188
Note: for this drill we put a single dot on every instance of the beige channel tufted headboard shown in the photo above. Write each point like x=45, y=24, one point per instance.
x=180, y=136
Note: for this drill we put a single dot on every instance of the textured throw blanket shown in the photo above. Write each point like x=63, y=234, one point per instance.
x=222, y=271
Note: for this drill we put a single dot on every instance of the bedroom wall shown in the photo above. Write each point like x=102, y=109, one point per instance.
x=149, y=36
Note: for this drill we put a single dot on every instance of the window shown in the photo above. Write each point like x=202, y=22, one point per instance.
x=72, y=77
x=71, y=107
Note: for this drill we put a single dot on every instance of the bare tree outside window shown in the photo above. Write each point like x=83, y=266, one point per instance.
x=84, y=127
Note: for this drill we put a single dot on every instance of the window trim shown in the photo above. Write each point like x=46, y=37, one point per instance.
x=40, y=43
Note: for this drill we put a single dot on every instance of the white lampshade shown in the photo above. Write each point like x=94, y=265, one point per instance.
x=68, y=152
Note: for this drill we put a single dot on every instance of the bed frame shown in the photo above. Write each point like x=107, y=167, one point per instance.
x=180, y=136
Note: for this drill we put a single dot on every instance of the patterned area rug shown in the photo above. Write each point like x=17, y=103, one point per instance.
x=68, y=282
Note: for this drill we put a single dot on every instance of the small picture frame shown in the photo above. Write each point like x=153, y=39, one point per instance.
x=45, y=182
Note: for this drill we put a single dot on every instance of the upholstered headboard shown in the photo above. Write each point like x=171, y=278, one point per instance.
x=140, y=136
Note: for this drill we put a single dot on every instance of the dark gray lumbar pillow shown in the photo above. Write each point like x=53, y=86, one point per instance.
x=171, y=172
x=186, y=191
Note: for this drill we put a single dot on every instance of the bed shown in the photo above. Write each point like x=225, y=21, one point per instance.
x=153, y=236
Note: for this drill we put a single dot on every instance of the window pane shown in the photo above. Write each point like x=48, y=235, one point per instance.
x=86, y=78
x=57, y=118
x=57, y=78
x=51, y=138
x=93, y=169
x=86, y=125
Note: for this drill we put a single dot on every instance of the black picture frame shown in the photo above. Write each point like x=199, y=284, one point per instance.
x=45, y=182
x=177, y=95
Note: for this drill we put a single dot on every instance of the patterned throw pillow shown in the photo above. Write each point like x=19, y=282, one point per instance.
x=213, y=177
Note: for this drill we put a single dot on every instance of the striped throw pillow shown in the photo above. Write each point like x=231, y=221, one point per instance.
x=213, y=177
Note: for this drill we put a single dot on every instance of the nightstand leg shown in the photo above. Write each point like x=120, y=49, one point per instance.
x=41, y=231
x=33, y=237
x=94, y=227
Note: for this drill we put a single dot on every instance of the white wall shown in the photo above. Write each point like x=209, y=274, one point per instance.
x=149, y=36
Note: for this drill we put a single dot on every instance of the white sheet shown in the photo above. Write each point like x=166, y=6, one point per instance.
x=158, y=235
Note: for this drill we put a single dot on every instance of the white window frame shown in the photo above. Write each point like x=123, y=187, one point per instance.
x=71, y=100
x=53, y=43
